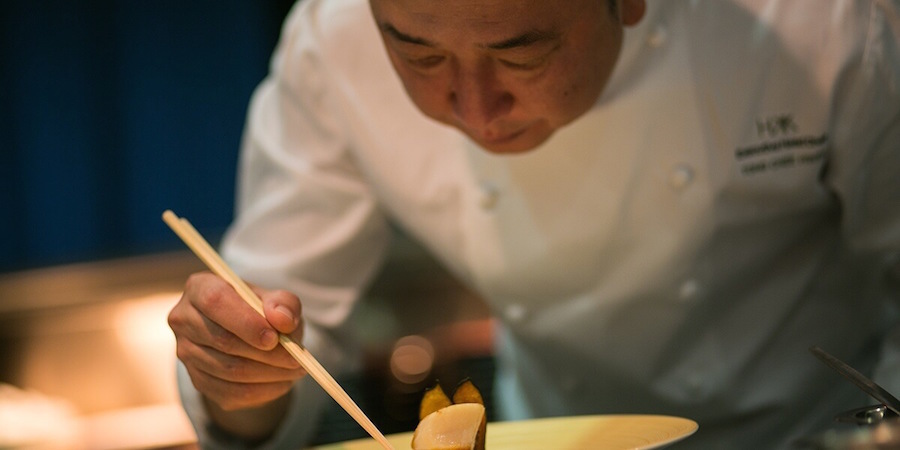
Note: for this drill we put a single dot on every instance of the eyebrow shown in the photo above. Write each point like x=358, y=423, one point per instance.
x=403, y=37
x=523, y=40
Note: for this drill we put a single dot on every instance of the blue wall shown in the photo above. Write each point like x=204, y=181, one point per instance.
x=113, y=111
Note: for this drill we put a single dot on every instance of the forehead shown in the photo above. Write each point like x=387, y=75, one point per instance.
x=482, y=19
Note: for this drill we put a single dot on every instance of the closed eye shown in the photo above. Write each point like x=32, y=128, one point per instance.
x=426, y=62
x=528, y=58
x=532, y=64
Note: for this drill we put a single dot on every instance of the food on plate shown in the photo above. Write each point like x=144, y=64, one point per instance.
x=455, y=427
x=433, y=400
x=466, y=392
x=457, y=423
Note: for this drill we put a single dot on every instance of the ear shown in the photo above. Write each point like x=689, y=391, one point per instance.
x=633, y=11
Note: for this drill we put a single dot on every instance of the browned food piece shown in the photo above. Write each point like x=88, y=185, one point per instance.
x=455, y=427
x=481, y=436
x=444, y=426
x=466, y=392
x=433, y=400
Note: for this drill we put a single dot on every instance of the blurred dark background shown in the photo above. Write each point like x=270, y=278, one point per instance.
x=113, y=111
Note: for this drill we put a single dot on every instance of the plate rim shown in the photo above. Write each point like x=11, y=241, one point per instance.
x=691, y=427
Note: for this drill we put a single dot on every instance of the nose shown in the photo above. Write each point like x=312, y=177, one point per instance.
x=479, y=98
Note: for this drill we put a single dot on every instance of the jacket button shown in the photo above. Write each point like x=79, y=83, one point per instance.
x=688, y=290
x=489, y=195
x=515, y=312
x=658, y=37
x=681, y=176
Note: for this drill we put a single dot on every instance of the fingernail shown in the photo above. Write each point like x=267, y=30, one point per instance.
x=287, y=313
x=268, y=338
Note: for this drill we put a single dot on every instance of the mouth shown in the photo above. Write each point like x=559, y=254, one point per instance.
x=523, y=139
x=500, y=140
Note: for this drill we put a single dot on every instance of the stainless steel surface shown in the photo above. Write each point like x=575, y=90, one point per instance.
x=867, y=415
x=868, y=386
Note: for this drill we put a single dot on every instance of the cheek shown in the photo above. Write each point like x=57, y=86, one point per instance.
x=429, y=95
x=565, y=95
x=577, y=85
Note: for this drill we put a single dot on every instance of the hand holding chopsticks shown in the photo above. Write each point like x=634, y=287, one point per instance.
x=208, y=255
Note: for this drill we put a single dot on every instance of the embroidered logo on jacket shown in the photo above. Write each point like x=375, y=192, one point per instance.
x=780, y=146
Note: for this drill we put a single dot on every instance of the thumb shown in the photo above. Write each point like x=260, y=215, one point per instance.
x=282, y=310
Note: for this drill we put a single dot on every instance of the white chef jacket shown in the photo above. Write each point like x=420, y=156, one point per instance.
x=732, y=199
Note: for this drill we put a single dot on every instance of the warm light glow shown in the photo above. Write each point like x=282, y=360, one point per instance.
x=33, y=420
x=147, y=342
x=155, y=426
x=412, y=359
x=142, y=320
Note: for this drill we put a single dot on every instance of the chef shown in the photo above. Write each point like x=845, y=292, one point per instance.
x=665, y=205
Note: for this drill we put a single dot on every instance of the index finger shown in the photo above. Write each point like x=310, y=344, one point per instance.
x=220, y=303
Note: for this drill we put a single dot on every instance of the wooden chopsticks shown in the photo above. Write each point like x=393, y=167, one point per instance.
x=208, y=255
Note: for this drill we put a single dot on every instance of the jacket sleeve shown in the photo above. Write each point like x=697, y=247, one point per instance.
x=307, y=220
x=865, y=169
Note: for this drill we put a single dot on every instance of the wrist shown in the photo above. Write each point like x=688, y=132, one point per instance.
x=249, y=425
